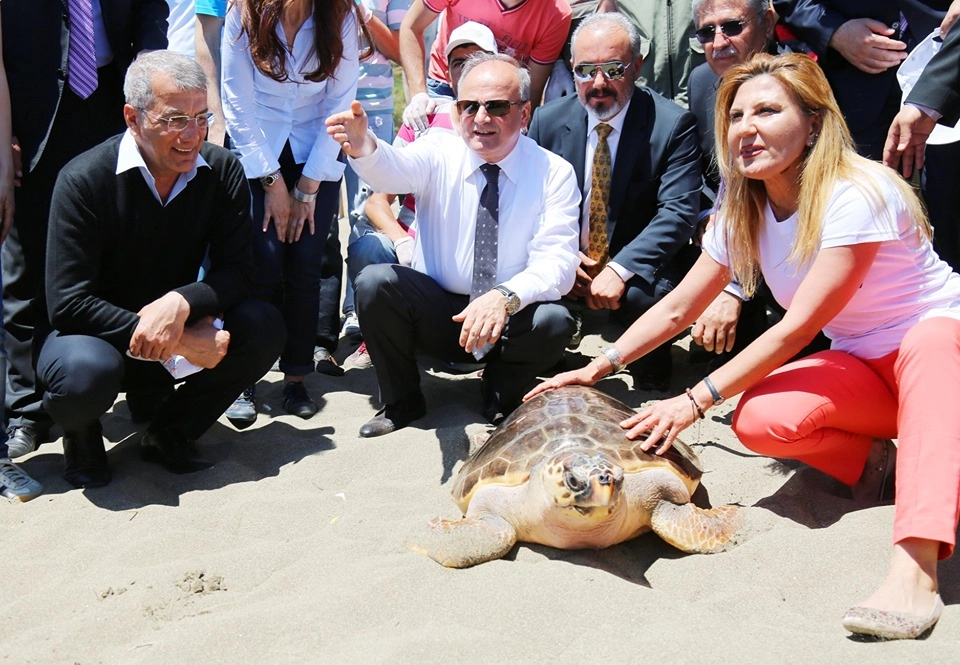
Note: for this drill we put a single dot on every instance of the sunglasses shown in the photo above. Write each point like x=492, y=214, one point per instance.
x=612, y=71
x=494, y=107
x=706, y=34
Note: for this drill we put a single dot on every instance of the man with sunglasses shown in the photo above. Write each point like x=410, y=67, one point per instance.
x=652, y=194
x=130, y=224
x=496, y=247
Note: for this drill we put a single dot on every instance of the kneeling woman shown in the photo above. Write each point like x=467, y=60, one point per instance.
x=845, y=247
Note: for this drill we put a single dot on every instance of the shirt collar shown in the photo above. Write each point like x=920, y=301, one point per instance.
x=616, y=122
x=129, y=157
x=510, y=165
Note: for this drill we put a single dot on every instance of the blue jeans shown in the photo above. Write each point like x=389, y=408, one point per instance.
x=381, y=124
x=437, y=88
x=369, y=249
x=288, y=274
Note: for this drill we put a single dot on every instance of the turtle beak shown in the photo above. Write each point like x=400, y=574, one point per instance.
x=604, y=489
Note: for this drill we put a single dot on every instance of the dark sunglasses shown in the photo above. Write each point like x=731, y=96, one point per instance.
x=612, y=70
x=706, y=34
x=494, y=107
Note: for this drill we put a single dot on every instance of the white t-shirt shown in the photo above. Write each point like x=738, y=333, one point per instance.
x=907, y=282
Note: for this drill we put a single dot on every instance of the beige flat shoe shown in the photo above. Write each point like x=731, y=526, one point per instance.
x=889, y=625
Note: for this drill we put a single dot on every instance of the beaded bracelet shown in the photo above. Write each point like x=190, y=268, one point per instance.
x=693, y=400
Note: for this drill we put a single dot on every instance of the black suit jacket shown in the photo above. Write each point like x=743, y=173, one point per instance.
x=655, y=192
x=868, y=101
x=35, y=41
x=938, y=87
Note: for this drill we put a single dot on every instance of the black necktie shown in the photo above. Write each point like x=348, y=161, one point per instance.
x=485, y=240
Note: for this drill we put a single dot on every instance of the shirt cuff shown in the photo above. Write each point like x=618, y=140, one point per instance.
x=624, y=274
x=933, y=113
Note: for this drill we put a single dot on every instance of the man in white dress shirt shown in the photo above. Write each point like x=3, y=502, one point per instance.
x=513, y=320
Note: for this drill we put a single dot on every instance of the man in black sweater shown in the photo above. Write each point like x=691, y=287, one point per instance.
x=130, y=223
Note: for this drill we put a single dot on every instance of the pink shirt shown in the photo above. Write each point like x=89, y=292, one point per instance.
x=533, y=30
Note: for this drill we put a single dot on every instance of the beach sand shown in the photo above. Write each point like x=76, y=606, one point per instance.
x=293, y=548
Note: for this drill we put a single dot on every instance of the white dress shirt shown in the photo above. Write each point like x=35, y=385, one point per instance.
x=263, y=114
x=613, y=141
x=130, y=157
x=539, y=205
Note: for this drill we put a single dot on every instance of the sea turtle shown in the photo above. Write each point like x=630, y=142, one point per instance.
x=560, y=472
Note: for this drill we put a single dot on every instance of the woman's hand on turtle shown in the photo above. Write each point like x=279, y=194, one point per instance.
x=663, y=420
x=585, y=376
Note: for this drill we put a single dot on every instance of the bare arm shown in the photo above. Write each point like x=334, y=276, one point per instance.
x=380, y=214
x=834, y=278
x=385, y=40
x=207, y=43
x=538, y=81
x=412, y=51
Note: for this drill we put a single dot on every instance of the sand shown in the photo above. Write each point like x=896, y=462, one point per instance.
x=293, y=548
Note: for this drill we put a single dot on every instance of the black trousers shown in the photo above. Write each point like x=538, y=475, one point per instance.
x=402, y=310
x=82, y=375
x=80, y=124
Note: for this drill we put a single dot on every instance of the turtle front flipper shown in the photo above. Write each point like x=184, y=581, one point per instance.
x=466, y=542
x=696, y=530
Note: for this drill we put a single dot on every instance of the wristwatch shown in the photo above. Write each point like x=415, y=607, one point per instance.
x=271, y=180
x=513, y=300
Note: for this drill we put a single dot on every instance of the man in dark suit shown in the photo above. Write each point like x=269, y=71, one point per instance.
x=56, y=116
x=652, y=192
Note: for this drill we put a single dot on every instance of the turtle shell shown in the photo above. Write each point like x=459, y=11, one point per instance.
x=567, y=417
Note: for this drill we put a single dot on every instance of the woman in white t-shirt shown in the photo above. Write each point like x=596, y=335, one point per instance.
x=844, y=246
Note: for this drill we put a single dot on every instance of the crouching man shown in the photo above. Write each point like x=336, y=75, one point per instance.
x=130, y=224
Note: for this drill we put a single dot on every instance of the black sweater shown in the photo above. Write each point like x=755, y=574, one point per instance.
x=112, y=248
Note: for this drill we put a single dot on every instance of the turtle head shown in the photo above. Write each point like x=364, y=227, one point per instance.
x=585, y=481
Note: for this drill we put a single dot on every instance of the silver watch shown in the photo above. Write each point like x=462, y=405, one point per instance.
x=271, y=179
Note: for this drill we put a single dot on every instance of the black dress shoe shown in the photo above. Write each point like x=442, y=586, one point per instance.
x=21, y=440
x=395, y=416
x=172, y=450
x=85, y=459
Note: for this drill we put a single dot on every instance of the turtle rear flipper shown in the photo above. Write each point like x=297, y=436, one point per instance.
x=466, y=542
x=696, y=530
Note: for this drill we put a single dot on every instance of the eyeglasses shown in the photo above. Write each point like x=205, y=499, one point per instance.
x=178, y=123
x=612, y=71
x=494, y=107
x=706, y=34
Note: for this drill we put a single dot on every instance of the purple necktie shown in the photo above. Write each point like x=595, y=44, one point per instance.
x=81, y=55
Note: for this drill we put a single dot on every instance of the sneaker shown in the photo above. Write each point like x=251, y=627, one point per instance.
x=351, y=325
x=360, y=358
x=243, y=412
x=297, y=402
x=326, y=363
x=16, y=484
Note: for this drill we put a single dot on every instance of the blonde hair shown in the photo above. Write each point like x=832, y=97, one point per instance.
x=831, y=158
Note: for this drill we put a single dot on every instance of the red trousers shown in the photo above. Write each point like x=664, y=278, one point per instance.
x=826, y=409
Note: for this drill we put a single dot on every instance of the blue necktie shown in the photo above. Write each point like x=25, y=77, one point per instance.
x=81, y=54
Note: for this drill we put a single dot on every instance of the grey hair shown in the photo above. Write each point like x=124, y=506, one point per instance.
x=480, y=57
x=611, y=20
x=757, y=6
x=138, y=83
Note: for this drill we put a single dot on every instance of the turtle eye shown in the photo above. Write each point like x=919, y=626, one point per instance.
x=572, y=482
